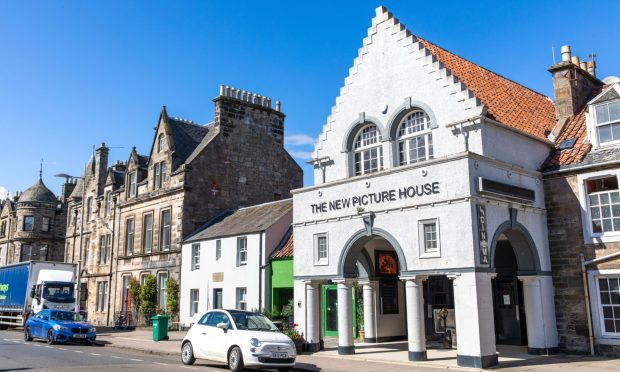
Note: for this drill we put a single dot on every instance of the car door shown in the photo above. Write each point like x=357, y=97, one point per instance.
x=38, y=323
x=214, y=339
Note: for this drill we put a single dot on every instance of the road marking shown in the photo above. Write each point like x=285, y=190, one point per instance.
x=161, y=364
x=62, y=348
x=137, y=360
x=95, y=354
x=115, y=357
x=37, y=345
x=49, y=347
x=77, y=351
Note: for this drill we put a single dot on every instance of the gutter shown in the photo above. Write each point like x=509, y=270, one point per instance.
x=579, y=167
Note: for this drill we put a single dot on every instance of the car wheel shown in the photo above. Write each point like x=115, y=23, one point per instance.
x=50, y=337
x=27, y=335
x=235, y=360
x=187, y=354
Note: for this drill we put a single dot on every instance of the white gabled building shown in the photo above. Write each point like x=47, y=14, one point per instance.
x=225, y=263
x=427, y=195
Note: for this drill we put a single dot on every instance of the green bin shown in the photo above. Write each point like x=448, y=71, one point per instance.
x=160, y=327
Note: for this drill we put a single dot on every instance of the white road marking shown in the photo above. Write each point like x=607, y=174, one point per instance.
x=62, y=348
x=115, y=357
x=6, y=339
x=49, y=347
x=137, y=360
x=77, y=351
x=95, y=354
x=161, y=364
x=37, y=345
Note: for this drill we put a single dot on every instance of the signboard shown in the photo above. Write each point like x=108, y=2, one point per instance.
x=217, y=277
x=483, y=238
x=387, y=263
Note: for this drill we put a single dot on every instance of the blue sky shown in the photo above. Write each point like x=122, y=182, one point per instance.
x=78, y=73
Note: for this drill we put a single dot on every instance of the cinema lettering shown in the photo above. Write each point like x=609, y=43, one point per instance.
x=379, y=197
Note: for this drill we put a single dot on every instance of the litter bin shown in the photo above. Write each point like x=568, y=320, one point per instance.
x=160, y=327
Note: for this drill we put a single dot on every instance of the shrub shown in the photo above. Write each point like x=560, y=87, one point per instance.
x=148, y=295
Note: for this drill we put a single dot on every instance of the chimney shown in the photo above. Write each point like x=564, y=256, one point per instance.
x=67, y=189
x=119, y=166
x=101, y=166
x=278, y=105
x=592, y=68
x=572, y=87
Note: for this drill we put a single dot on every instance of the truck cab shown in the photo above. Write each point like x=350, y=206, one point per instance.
x=52, y=295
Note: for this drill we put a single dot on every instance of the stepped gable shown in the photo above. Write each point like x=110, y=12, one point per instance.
x=38, y=193
x=286, y=250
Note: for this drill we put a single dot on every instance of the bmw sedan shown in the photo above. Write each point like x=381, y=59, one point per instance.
x=239, y=338
x=59, y=326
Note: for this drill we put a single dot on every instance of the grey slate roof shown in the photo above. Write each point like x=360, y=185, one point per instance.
x=38, y=193
x=143, y=161
x=186, y=137
x=244, y=221
x=89, y=171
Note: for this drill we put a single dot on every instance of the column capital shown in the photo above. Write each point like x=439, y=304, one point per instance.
x=414, y=278
x=527, y=279
x=347, y=282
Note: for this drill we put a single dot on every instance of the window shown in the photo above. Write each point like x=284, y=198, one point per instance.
x=242, y=251
x=367, y=150
x=161, y=142
x=129, y=237
x=415, y=141
x=241, y=298
x=165, y=230
x=604, y=205
x=320, y=249
x=161, y=289
x=194, y=297
x=3, y=228
x=126, y=298
x=608, y=122
x=43, y=253
x=25, y=253
x=86, y=250
x=28, y=223
x=218, y=249
x=89, y=208
x=195, y=256
x=147, y=239
x=217, y=298
x=132, y=190
x=143, y=277
x=388, y=295
x=428, y=232
x=102, y=296
x=104, y=247
x=609, y=295
x=45, y=224
x=160, y=175
x=108, y=204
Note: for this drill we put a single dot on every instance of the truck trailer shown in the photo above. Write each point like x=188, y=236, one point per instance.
x=29, y=287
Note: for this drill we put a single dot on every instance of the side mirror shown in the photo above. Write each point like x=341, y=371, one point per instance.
x=32, y=292
x=223, y=326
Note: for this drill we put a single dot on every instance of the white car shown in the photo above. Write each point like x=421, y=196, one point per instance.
x=239, y=338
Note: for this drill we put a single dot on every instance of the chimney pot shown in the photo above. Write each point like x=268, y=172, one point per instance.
x=222, y=90
x=565, y=53
x=592, y=68
x=267, y=102
x=278, y=104
x=575, y=60
x=583, y=66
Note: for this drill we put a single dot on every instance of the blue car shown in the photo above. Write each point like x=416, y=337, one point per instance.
x=59, y=326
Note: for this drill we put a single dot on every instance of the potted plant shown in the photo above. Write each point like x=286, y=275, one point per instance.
x=359, y=310
x=298, y=338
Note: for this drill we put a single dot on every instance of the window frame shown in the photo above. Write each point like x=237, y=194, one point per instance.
x=589, y=237
x=101, y=304
x=46, y=224
x=161, y=142
x=406, y=139
x=600, y=334
x=46, y=248
x=194, y=301
x=218, y=249
x=22, y=250
x=610, y=123
x=161, y=289
x=423, y=252
x=28, y=218
x=242, y=250
x=241, y=298
x=129, y=236
x=132, y=184
x=195, y=258
x=3, y=227
x=165, y=230
x=359, y=148
x=319, y=261
x=147, y=233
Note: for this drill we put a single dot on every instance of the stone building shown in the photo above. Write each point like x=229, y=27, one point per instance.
x=583, y=207
x=192, y=172
x=32, y=226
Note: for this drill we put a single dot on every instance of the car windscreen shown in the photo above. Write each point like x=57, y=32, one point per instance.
x=58, y=292
x=252, y=321
x=65, y=316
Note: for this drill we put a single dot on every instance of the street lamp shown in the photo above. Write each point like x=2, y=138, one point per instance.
x=79, y=267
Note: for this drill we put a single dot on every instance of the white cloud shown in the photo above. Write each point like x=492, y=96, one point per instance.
x=299, y=140
x=3, y=193
x=302, y=155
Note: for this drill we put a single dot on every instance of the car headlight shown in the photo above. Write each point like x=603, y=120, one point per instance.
x=93, y=330
x=255, y=342
x=61, y=328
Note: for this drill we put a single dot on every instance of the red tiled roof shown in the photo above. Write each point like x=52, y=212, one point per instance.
x=575, y=128
x=286, y=251
x=507, y=102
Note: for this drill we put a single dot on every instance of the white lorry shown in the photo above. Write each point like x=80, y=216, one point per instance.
x=29, y=287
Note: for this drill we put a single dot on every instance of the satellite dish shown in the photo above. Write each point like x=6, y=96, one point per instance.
x=611, y=80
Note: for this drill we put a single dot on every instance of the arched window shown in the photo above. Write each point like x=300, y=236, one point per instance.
x=415, y=140
x=162, y=139
x=367, y=150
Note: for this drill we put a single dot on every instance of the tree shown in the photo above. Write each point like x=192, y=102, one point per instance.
x=172, y=297
x=134, y=292
x=148, y=295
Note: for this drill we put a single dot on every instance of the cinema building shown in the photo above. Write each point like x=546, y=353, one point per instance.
x=427, y=197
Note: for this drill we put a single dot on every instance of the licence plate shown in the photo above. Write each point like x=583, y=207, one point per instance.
x=79, y=336
x=279, y=355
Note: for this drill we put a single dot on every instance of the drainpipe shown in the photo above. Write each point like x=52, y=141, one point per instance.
x=118, y=237
x=260, y=270
x=584, y=278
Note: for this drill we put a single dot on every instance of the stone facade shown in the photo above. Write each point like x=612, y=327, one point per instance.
x=32, y=226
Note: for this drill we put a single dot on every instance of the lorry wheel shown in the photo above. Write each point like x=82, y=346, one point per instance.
x=27, y=335
x=50, y=337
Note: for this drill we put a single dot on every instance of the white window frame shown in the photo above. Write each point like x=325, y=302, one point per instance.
x=320, y=261
x=161, y=142
x=195, y=256
x=161, y=289
x=218, y=249
x=423, y=252
x=165, y=230
x=106, y=208
x=589, y=237
x=129, y=236
x=241, y=298
x=147, y=233
x=405, y=140
x=600, y=335
x=102, y=296
x=194, y=301
x=132, y=184
x=363, y=146
x=242, y=251
x=597, y=125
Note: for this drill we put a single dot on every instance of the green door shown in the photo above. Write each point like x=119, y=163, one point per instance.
x=330, y=310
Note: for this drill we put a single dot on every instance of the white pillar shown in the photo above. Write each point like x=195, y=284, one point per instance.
x=415, y=318
x=370, y=325
x=313, y=329
x=345, y=319
x=542, y=335
x=475, y=325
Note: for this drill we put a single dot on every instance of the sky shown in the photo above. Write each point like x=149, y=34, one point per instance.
x=74, y=74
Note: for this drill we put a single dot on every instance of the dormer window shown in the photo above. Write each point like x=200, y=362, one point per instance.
x=160, y=175
x=161, y=142
x=132, y=190
x=367, y=150
x=415, y=140
x=607, y=119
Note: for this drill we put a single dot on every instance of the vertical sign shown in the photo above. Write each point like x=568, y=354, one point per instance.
x=482, y=234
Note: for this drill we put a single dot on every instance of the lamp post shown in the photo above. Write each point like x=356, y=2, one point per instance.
x=79, y=267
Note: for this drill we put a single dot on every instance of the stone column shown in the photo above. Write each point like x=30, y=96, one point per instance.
x=345, y=319
x=539, y=315
x=415, y=318
x=313, y=319
x=370, y=325
x=475, y=325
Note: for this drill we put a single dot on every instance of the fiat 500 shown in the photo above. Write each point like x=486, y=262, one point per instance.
x=59, y=326
x=239, y=338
